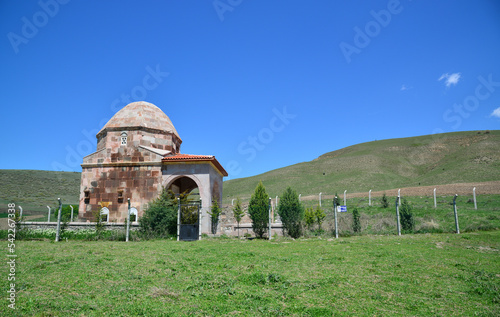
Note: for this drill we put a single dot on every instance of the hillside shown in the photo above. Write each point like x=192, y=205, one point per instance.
x=447, y=158
x=34, y=190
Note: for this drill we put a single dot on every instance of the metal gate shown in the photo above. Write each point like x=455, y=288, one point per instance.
x=188, y=221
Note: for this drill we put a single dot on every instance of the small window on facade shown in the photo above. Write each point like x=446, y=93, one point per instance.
x=124, y=138
x=104, y=214
x=87, y=196
x=133, y=214
x=120, y=195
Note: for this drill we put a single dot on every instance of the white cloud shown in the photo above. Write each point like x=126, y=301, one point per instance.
x=450, y=79
x=404, y=87
x=496, y=113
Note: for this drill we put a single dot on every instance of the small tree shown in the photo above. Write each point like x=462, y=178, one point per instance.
x=406, y=214
x=309, y=217
x=160, y=217
x=356, y=224
x=291, y=213
x=258, y=210
x=66, y=212
x=238, y=213
x=384, y=201
x=19, y=229
x=214, y=213
x=99, y=224
x=319, y=214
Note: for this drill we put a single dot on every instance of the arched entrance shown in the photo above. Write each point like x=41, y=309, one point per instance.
x=196, y=174
x=186, y=189
x=183, y=184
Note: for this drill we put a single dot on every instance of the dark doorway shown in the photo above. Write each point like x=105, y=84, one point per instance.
x=189, y=224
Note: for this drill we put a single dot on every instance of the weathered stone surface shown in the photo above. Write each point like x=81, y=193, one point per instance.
x=138, y=169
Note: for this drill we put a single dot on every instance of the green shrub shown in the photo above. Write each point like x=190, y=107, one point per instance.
x=214, y=213
x=238, y=213
x=291, y=213
x=406, y=217
x=99, y=224
x=384, y=201
x=319, y=216
x=160, y=217
x=258, y=210
x=66, y=213
x=309, y=217
x=356, y=224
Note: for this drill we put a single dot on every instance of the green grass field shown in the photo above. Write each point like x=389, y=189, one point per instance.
x=412, y=275
x=373, y=274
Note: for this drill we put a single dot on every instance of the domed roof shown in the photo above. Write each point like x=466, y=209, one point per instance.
x=140, y=115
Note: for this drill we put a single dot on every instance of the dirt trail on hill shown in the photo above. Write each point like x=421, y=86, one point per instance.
x=462, y=189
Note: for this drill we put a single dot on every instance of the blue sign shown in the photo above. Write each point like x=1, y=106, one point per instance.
x=341, y=208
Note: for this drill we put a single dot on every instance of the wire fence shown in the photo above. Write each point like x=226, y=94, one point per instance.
x=431, y=213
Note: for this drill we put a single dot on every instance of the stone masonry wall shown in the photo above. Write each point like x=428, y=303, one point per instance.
x=105, y=184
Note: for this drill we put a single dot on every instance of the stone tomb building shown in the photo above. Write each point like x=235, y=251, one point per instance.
x=137, y=156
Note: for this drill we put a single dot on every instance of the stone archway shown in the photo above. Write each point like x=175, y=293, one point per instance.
x=182, y=184
x=190, y=225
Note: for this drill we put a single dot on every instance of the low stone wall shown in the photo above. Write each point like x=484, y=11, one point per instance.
x=229, y=226
x=229, y=229
x=232, y=229
x=78, y=225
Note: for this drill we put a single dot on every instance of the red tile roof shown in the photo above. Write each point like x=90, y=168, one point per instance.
x=195, y=158
x=183, y=157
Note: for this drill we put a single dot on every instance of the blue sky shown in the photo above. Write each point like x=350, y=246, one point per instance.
x=259, y=84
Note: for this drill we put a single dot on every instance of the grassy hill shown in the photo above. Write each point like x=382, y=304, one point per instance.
x=34, y=190
x=379, y=165
x=425, y=160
